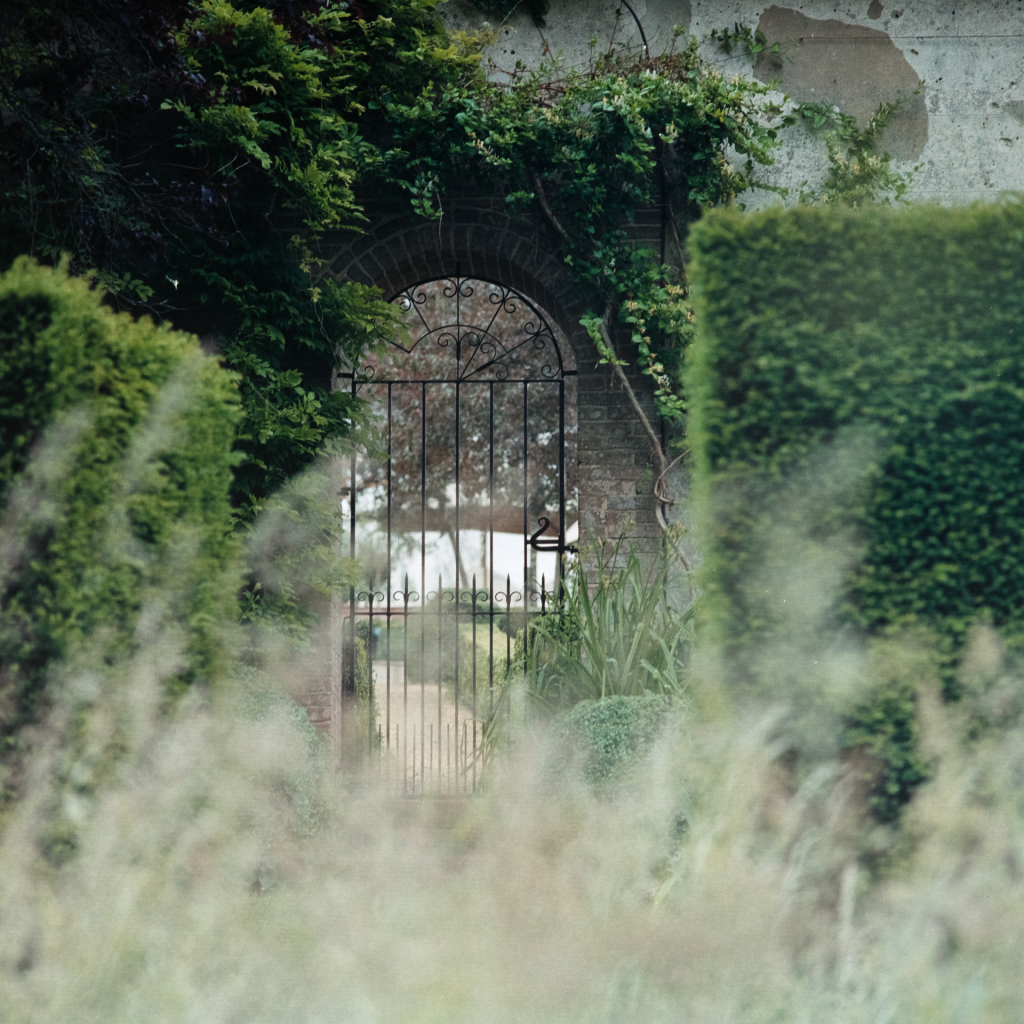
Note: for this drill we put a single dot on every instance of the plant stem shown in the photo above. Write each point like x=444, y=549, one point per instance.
x=547, y=211
x=661, y=461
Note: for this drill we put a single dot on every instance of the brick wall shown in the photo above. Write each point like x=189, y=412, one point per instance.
x=476, y=238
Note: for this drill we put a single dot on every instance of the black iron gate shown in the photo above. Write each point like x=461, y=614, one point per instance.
x=461, y=525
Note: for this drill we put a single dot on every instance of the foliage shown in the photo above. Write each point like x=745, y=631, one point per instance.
x=170, y=171
x=295, y=556
x=258, y=697
x=740, y=37
x=883, y=726
x=613, y=633
x=858, y=176
x=291, y=113
x=197, y=174
x=608, y=739
x=589, y=148
x=117, y=438
x=875, y=354
x=77, y=84
x=861, y=175
x=197, y=177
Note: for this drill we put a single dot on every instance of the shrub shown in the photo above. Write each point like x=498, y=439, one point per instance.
x=857, y=382
x=612, y=633
x=114, y=480
x=608, y=739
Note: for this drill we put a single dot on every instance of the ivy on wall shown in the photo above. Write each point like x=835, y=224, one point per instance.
x=160, y=145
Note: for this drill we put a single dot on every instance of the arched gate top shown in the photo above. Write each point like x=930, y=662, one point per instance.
x=469, y=330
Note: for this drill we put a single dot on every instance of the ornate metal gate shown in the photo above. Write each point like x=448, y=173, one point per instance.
x=461, y=524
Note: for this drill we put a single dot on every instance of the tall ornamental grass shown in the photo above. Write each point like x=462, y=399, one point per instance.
x=219, y=870
x=222, y=874
x=612, y=631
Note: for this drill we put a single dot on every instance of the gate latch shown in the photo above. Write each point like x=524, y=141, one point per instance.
x=552, y=544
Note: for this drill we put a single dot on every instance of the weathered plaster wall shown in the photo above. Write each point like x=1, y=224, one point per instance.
x=965, y=127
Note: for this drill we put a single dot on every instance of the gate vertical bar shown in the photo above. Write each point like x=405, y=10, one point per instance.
x=508, y=618
x=526, y=521
x=350, y=682
x=369, y=682
x=423, y=551
x=337, y=644
x=490, y=503
x=560, y=553
x=473, y=614
x=458, y=493
x=423, y=688
x=387, y=621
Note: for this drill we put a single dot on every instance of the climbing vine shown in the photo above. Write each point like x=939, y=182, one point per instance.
x=585, y=150
x=195, y=175
x=857, y=173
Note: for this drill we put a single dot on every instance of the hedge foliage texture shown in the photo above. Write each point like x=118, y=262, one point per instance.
x=901, y=331
x=858, y=380
x=116, y=460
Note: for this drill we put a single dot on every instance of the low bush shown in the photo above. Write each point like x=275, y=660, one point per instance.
x=116, y=437
x=607, y=740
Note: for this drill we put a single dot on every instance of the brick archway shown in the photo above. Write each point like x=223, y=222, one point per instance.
x=476, y=238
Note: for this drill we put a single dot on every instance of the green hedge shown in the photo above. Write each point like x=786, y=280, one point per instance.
x=858, y=380
x=116, y=459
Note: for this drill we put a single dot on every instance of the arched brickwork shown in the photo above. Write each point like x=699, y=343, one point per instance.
x=476, y=238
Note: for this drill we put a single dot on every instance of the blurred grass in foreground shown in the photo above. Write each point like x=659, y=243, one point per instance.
x=214, y=868
x=723, y=887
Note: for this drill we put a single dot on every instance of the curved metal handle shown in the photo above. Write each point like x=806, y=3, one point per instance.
x=549, y=545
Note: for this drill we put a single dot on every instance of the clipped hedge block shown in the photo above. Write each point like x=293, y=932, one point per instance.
x=858, y=381
x=116, y=440
x=904, y=328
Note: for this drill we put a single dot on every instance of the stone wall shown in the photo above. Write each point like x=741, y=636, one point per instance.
x=965, y=126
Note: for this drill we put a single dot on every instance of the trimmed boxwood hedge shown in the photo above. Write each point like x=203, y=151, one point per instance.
x=880, y=345
x=115, y=462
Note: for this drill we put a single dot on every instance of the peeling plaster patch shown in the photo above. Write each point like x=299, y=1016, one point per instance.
x=875, y=10
x=855, y=68
x=1015, y=108
x=666, y=12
